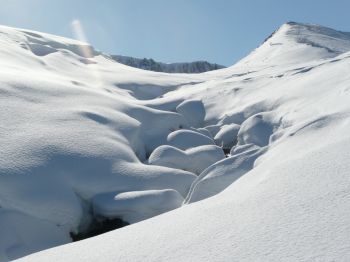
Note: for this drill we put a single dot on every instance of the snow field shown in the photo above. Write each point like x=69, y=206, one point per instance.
x=77, y=131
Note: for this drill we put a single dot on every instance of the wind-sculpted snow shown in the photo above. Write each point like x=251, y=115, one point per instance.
x=193, y=112
x=220, y=175
x=68, y=134
x=321, y=37
x=135, y=206
x=195, y=159
x=81, y=140
x=227, y=136
x=185, y=139
x=257, y=129
x=291, y=207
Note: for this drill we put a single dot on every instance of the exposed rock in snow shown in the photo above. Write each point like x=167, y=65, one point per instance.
x=150, y=64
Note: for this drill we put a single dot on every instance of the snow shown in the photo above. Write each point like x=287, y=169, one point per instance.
x=78, y=134
x=184, y=139
x=242, y=148
x=220, y=175
x=227, y=136
x=257, y=130
x=213, y=129
x=195, y=159
x=193, y=112
x=68, y=133
x=293, y=41
x=135, y=206
x=290, y=209
x=22, y=234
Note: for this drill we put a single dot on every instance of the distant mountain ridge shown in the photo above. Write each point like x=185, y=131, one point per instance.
x=152, y=65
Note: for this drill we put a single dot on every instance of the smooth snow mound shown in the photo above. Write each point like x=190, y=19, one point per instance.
x=195, y=159
x=185, y=139
x=135, y=206
x=193, y=111
x=227, y=136
x=242, y=148
x=219, y=176
x=257, y=130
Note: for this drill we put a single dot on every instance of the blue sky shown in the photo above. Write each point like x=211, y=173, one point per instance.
x=221, y=31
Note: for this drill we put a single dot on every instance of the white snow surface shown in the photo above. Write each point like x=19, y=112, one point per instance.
x=195, y=159
x=185, y=139
x=227, y=136
x=135, y=206
x=193, y=112
x=76, y=126
x=220, y=175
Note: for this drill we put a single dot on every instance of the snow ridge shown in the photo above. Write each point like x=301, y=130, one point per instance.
x=319, y=36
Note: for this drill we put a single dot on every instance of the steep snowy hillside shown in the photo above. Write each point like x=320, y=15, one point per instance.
x=295, y=43
x=85, y=139
x=150, y=64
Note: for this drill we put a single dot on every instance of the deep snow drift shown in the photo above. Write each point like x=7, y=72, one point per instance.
x=84, y=138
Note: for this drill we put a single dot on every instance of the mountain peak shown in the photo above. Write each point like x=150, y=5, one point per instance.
x=317, y=36
x=297, y=42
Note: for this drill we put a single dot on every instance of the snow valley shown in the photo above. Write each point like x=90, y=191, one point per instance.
x=252, y=161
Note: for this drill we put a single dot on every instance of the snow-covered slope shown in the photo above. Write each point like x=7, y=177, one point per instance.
x=294, y=43
x=77, y=130
x=150, y=64
x=71, y=130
